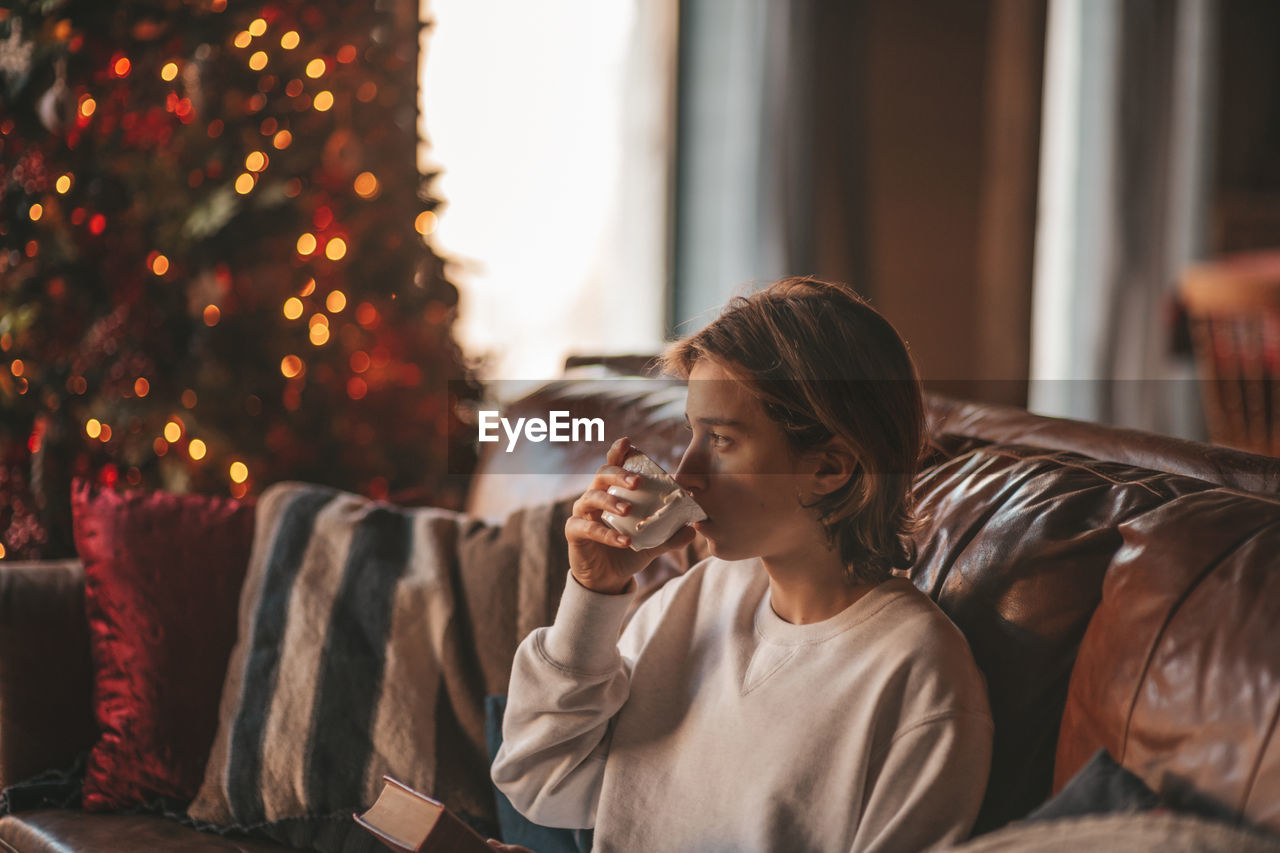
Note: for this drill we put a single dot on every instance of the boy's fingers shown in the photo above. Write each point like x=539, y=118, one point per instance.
x=618, y=451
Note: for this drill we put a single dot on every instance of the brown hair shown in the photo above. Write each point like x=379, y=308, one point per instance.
x=825, y=364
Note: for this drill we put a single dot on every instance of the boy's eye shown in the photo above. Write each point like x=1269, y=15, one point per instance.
x=718, y=440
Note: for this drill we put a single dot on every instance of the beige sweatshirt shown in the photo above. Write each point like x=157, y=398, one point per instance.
x=714, y=725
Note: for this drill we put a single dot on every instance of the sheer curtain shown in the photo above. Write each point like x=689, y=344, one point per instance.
x=552, y=123
x=1124, y=167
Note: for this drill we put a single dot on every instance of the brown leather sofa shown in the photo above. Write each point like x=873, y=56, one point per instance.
x=1119, y=589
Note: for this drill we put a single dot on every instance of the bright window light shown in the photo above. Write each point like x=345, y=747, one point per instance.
x=552, y=123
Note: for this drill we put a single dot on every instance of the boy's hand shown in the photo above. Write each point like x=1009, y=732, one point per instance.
x=599, y=556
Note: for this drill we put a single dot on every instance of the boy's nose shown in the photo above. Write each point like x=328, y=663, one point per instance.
x=691, y=474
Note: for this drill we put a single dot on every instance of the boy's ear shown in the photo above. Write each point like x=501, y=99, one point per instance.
x=835, y=464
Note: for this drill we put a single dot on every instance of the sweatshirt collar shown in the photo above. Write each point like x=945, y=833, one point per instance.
x=774, y=629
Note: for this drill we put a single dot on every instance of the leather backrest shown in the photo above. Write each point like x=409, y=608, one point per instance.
x=1015, y=545
x=1009, y=425
x=1178, y=674
x=45, y=686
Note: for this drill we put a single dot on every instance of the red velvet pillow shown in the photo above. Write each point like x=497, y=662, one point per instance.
x=162, y=587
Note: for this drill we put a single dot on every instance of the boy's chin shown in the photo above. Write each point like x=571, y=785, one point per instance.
x=723, y=551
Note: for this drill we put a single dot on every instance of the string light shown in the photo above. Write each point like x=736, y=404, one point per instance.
x=291, y=366
x=282, y=140
x=336, y=249
x=243, y=39
x=160, y=264
x=106, y=433
x=306, y=244
x=336, y=301
x=292, y=308
x=308, y=288
x=357, y=388
x=290, y=40
x=245, y=183
x=17, y=368
x=36, y=211
x=256, y=161
x=323, y=101
x=169, y=72
x=425, y=223
x=359, y=361
x=366, y=185
x=347, y=53
x=173, y=430
x=87, y=106
x=212, y=314
x=122, y=67
x=141, y=386
x=258, y=60
x=63, y=184
x=93, y=428
x=316, y=68
x=160, y=447
x=257, y=27
x=239, y=472
x=197, y=449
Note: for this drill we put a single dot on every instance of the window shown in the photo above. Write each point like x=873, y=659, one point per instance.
x=552, y=125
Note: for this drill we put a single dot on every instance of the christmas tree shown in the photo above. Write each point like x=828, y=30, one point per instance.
x=213, y=271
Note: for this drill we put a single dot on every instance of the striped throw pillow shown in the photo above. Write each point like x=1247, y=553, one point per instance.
x=368, y=637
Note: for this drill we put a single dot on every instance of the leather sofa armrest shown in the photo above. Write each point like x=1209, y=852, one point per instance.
x=46, y=716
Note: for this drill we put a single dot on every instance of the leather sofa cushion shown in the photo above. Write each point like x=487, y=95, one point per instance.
x=1178, y=674
x=68, y=831
x=1014, y=545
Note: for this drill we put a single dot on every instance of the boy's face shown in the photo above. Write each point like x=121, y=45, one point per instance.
x=742, y=472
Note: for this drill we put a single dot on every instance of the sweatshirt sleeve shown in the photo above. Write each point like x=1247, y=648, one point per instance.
x=929, y=785
x=568, y=680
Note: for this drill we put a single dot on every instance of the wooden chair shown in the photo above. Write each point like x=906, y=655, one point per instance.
x=1233, y=306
